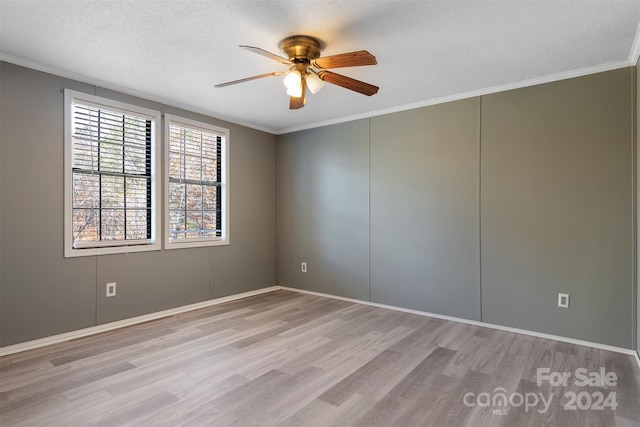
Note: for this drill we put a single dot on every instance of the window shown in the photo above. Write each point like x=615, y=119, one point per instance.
x=196, y=212
x=111, y=181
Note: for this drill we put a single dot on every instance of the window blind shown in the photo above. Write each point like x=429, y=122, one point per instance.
x=111, y=179
x=195, y=184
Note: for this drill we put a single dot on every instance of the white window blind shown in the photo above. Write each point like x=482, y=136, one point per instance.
x=112, y=174
x=196, y=182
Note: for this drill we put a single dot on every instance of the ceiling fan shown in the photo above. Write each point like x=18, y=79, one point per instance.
x=308, y=70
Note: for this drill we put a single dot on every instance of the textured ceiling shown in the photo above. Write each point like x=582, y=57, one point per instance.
x=427, y=51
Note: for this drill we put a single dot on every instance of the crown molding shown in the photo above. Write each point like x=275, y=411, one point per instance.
x=125, y=90
x=631, y=62
x=470, y=94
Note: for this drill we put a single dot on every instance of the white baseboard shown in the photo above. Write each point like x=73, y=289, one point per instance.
x=476, y=323
x=54, y=339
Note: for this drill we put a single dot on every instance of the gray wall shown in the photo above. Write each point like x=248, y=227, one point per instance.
x=424, y=209
x=323, y=209
x=557, y=212
x=42, y=293
x=637, y=126
x=532, y=188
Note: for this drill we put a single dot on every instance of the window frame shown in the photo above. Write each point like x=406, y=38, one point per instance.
x=224, y=186
x=120, y=246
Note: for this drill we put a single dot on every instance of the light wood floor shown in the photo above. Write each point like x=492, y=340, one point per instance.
x=291, y=359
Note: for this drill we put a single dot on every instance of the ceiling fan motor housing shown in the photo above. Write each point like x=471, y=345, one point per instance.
x=300, y=48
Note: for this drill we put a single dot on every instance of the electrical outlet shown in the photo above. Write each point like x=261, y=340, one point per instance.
x=563, y=300
x=111, y=289
x=303, y=267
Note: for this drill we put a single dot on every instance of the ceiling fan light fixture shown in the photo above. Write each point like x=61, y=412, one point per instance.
x=293, y=83
x=314, y=83
x=307, y=68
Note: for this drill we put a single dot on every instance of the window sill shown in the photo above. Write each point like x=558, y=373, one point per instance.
x=111, y=250
x=195, y=244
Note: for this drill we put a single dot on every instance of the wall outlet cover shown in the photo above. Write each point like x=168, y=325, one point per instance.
x=563, y=300
x=111, y=289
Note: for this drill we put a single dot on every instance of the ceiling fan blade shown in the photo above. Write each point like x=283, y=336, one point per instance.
x=295, y=103
x=235, y=82
x=348, y=83
x=351, y=59
x=263, y=52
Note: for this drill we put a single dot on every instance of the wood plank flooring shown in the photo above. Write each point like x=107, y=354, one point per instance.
x=290, y=359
